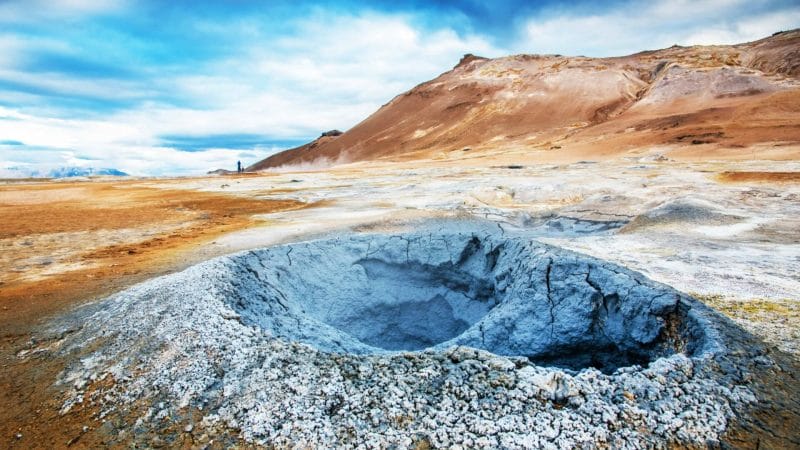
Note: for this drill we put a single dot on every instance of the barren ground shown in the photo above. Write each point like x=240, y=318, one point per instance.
x=65, y=243
x=726, y=231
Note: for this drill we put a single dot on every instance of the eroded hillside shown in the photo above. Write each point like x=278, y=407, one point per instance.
x=700, y=101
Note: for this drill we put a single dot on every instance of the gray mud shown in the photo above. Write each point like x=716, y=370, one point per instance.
x=442, y=338
x=508, y=296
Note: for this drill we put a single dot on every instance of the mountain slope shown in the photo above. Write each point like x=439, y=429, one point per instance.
x=708, y=98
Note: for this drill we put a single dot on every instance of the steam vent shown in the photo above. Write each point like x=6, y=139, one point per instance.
x=439, y=338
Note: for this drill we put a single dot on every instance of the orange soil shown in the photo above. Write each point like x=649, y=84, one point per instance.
x=65, y=207
x=187, y=219
x=759, y=177
x=764, y=126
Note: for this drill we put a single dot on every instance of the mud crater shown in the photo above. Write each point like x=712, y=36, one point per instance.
x=312, y=333
x=509, y=296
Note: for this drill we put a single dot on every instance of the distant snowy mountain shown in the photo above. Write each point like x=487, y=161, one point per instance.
x=59, y=172
x=66, y=172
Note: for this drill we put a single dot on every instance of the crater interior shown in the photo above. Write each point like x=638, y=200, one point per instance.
x=509, y=296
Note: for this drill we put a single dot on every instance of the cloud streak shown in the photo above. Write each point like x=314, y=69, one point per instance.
x=630, y=27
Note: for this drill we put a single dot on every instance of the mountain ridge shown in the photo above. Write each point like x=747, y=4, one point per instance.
x=678, y=96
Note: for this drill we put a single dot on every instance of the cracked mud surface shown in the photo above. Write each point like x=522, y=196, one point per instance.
x=247, y=341
x=412, y=292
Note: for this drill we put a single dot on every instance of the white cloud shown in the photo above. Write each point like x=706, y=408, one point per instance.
x=683, y=10
x=334, y=72
x=33, y=11
x=632, y=27
x=762, y=24
x=14, y=47
x=327, y=71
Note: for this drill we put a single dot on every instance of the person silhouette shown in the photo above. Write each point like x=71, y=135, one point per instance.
x=239, y=167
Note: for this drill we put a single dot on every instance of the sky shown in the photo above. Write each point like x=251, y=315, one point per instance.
x=182, y=87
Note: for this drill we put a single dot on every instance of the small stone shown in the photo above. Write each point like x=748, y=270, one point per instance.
x=500, y=363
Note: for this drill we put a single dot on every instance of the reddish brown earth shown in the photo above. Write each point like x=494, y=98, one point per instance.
x=187, y=219
x=759, y=177
x=710, y=101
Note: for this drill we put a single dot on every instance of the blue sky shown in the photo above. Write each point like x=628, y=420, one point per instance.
x=181, y=87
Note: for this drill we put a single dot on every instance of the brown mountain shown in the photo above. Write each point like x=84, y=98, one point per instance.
x=700, y=101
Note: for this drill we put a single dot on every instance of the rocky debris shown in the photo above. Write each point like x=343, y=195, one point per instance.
x=331, y=133
x=468, y=58
x=297, y=345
